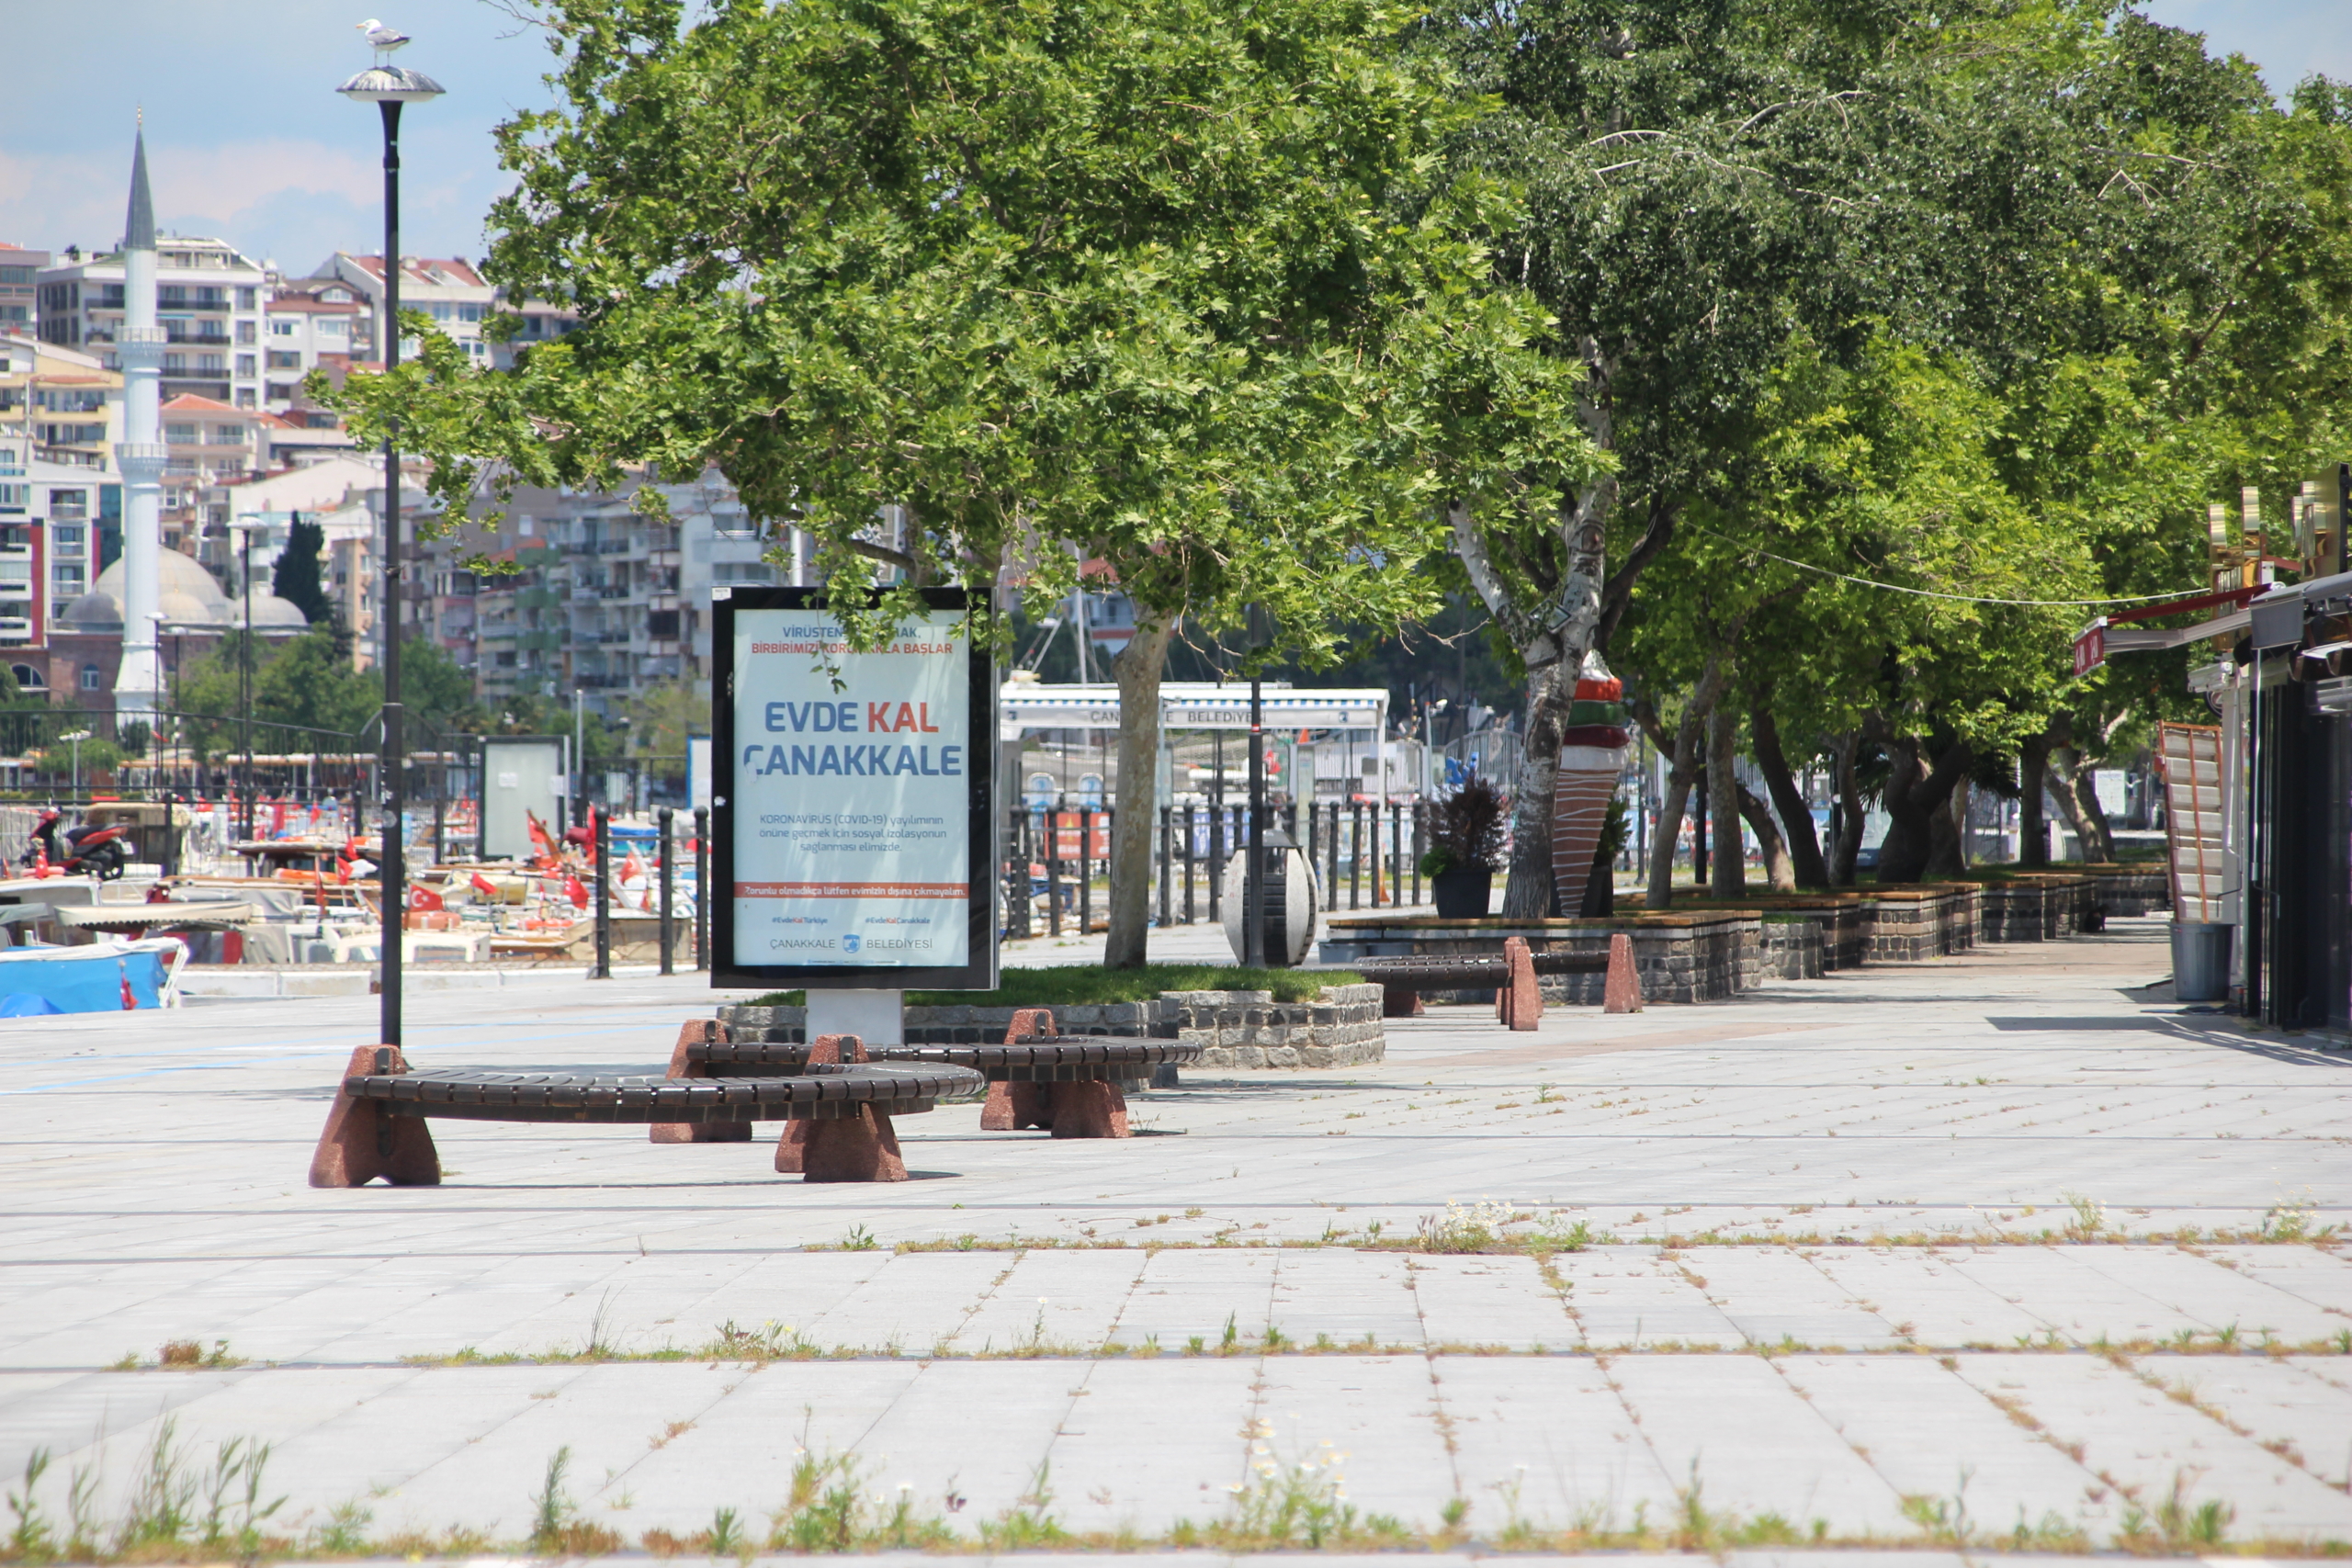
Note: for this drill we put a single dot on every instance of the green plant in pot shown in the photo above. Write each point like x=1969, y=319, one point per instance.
x=1465, y=845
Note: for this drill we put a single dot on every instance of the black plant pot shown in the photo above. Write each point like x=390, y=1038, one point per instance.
x=1461, y=894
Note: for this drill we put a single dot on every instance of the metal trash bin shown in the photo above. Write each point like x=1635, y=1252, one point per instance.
x=2200, y=961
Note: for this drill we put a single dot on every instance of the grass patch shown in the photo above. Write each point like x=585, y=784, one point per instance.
x=1084, y=984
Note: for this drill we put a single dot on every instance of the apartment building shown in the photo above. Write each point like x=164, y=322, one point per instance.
x=308, y=329
x=211, y=448
x=208, y=302
x=58, y=404
x=446, y=288
x=20, y=287
x=604, y=599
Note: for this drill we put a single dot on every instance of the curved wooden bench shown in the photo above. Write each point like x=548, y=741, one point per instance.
x=842, y=1109
x=1511, y=973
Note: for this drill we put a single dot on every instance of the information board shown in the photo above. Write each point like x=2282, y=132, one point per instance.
x=853, y=819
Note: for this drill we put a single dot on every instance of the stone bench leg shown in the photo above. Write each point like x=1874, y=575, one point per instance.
x=1520, y=1003
x=697, y=1032
x=363, y=1139
x=1622, y=992
x=1400, y=1001
x=863, y=1147
x=1094, y=1108
x=1012, y=1106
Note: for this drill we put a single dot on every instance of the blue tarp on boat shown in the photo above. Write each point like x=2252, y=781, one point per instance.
x=85, y=979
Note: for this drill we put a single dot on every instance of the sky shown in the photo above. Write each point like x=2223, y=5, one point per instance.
x=247, y=141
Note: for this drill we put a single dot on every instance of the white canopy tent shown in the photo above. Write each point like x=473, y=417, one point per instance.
x=1199, y=705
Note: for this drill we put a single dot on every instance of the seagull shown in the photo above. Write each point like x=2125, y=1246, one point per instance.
x=385, y=40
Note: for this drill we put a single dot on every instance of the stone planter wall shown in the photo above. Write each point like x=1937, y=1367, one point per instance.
x=2134, y=889
x=2034, y=908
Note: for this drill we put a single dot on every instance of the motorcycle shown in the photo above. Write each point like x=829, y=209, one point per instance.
x=87, y=851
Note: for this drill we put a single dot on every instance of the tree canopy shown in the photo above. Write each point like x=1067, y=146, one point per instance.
x=978, y=292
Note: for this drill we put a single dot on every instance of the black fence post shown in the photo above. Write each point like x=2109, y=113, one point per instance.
x=603, y=844
x=1420, y=844
x=1166, y=871
x=1331, y=853
x=1355, y=854
x=1216, y=864
x=1397, y=853
x=701, y=887
x=1192, y=823
x=1054, y=867
x=1085, y=869
x=662, y=817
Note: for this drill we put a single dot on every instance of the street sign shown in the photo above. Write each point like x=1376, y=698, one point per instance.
x=852, y=815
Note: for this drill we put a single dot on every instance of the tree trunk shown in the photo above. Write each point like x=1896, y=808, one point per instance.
x=1947, y=838
x=2033, y=826
x=1796, y=814
x=1600, y=899
x=1850, y=810
x=1137, y=667
x=1702, y=842
x=2078, y=801
x=1667, y=837
x=1730, y=879
x=1780, y=871
x=1527, y=894
x=1915, y=797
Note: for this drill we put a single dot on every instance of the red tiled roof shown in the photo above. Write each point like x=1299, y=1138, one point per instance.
x=417, y=267
x=297, y=303
x=189, y=402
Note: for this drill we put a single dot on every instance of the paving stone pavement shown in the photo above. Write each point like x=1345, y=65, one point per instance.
x=2010, y=1236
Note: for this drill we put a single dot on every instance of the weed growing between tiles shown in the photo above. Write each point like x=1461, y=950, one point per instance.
x=1502, y=1229
x=184, y=1509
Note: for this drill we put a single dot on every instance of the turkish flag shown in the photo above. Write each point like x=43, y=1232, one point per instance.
x=575, y=891
x=483, y=886
x=423, y=898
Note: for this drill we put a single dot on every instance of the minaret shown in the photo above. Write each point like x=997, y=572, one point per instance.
x=138, y=349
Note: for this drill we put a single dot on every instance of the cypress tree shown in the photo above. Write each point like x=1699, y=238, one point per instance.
x=299, y=576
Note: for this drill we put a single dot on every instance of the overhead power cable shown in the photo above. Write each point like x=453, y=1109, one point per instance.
x=1973, y=598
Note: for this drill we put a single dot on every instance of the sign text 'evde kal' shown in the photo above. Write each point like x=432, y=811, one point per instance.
x=852, y=839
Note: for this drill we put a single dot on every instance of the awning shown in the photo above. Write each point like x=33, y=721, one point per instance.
x=1193, y=705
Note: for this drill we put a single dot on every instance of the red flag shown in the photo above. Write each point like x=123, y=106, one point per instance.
x=129, y=1003
x=483, y=886
x=423, y=898
x=633, y=868
x=575, y=891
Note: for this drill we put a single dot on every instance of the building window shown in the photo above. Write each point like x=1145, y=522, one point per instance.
x=66, y=538
x=68, y=506
x=244, y=365
x=182, y=435
x=332, y=326
x=65, y=580
x=282, y=327
x=246, y=298
x=246, y=397
x=29, y=679
x=91, y=675
x=470, y=313
x=246, y=331
x=284, y=359
x=14, y=498
x=227, y=436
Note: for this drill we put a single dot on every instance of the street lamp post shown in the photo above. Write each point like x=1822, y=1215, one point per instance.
x=244, y=527
x=77, y=736
x=390, y=88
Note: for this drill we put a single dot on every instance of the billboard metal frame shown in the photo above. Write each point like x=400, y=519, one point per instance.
x=979, y=973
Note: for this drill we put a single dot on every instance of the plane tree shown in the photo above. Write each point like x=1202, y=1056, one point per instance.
x=978, y=292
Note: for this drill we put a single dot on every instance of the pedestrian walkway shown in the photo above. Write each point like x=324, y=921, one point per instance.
x=2008, y=1247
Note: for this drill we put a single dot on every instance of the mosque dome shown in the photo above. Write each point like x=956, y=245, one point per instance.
x=272, y=615
x=188, y=597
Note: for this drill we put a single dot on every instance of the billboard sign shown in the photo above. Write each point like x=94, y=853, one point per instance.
x=851, y=812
